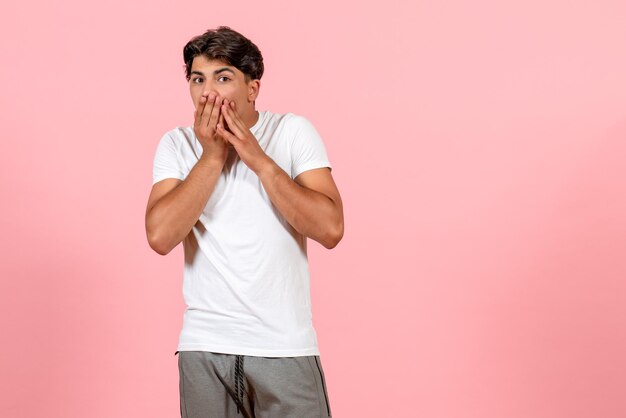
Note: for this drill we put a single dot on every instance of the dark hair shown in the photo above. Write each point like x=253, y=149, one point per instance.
x=229, y=46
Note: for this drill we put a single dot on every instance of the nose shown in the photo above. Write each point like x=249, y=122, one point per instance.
x=209, y=87
x=208, y=92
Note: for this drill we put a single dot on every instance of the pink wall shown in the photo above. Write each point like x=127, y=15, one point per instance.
x=480, y=150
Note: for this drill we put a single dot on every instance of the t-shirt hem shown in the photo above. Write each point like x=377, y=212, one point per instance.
x=311, y=166
x=247, y=351
x=157, y=179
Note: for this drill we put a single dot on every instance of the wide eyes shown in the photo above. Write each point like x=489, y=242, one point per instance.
x=200, y=80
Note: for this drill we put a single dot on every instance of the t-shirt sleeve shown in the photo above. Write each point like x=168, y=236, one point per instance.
x=307, y=148
x=166, y=161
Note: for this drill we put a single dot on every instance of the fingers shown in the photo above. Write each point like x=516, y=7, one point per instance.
x=229, y=134
x=208, y=112
x=208, y=108
x=235, y=124
x=215, y=113
x=228, y=137
x=220, y=122
x=197, y=116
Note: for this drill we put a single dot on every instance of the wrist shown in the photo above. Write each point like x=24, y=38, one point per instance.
x=212, y=160
x=267, y=168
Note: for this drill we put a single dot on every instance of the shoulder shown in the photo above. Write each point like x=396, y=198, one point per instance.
x=288, y=120
x=179, y=136
x=297, y=122
x=298, y=126
x=179, y=133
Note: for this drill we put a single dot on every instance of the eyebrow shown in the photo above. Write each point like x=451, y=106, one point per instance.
x=216, y=72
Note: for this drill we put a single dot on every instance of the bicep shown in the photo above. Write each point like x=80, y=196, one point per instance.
x=159, y=190
x=321, y=181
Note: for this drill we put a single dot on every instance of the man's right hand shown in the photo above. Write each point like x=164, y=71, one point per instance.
x=206, y=117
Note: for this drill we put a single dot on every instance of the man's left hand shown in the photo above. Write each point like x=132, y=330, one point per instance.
x=242, y=139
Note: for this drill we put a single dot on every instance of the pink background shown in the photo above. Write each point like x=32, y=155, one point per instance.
x=480, y=150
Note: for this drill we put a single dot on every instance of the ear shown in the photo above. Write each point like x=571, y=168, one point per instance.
x=253, y=90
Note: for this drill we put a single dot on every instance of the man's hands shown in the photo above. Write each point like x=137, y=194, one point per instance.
x=206, y=117
x=241, y=138
x=217, y=123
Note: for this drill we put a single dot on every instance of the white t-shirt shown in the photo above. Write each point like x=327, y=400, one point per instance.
x=246, y=276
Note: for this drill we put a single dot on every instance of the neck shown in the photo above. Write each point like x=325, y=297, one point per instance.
x=251, y=118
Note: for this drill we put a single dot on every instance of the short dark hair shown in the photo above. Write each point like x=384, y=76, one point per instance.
x=229, y=46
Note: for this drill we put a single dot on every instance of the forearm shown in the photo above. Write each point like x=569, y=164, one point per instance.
x=172, y=217
x=311, y=213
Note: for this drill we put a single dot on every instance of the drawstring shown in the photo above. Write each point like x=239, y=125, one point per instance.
x=239, y=381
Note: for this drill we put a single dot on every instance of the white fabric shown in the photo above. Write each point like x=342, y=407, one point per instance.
x=246, y=276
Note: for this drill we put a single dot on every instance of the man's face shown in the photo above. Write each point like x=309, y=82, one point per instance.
x=223, y=79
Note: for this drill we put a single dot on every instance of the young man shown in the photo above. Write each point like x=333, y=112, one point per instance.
x=243, y=190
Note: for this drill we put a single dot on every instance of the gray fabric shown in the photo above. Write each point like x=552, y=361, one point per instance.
x=274, y=386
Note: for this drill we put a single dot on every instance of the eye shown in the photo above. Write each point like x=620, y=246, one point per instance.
x=223, y=77
x=197, y=80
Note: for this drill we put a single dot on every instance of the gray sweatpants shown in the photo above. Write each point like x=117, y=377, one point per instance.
x=216, y=385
